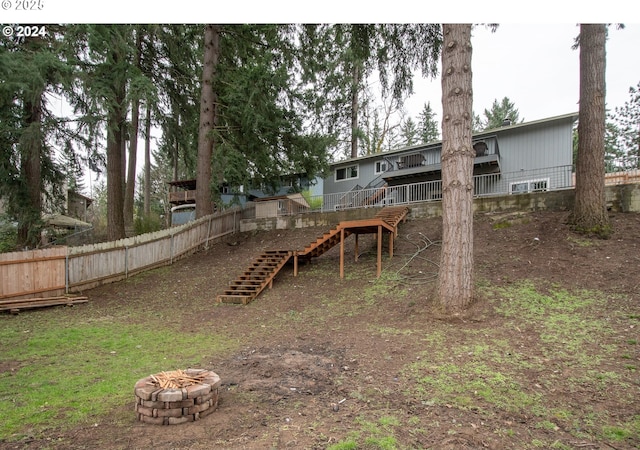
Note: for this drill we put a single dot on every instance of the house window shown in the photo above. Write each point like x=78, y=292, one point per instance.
x=347, y=173
x=529, y=186
x=381, y=166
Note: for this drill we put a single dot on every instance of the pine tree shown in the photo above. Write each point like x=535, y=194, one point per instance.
x=455, y=279
x=30, y=68
x=627, y=119
x=409, y=132
x=343, y=57
x=500, y=114
x=429, y=128
x=589, y=213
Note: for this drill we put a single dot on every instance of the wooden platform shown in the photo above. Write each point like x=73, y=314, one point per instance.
x=265, y=267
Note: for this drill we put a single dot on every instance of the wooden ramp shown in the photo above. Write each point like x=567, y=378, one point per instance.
x=266, y=266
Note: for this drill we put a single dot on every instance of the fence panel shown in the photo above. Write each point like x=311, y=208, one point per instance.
x=630, y=176
x=91, y=265
x=32, y=273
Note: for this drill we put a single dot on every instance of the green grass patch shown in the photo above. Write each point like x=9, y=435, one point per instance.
x=502, y=224
x=550, y=335
x=73, y=374
x=372, y=434
x=563, y=319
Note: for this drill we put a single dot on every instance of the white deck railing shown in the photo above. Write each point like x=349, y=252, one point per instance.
x=523, y=181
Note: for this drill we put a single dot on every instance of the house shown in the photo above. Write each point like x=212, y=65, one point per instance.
x=182, y=200
x=524, y=157
x=280, y=205
x=78, y=205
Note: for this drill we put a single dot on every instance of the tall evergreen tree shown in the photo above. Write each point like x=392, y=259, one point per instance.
x=30, y=69
x=500, y=113
x=589, y=212
x=208, y=120
x=179, y=69
x=428, y=126
x=343, y=57
x=108, y=78
x=455, y=279
x=409, y=132
x=627, y=119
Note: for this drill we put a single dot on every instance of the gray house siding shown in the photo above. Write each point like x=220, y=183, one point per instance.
x=540, y=156
x=534, y=155
x=537, y=148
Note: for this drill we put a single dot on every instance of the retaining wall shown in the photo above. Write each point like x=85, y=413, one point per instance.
x=620, y=198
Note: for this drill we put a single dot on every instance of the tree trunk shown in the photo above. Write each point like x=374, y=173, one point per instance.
x=131, y=170
x=455, y=280
x=176, y=154
x=354, y=111
x=31, y=166
x=590, y=211
x=147, y=164
x=130, y=187
x=116, y=119
x=208, y=105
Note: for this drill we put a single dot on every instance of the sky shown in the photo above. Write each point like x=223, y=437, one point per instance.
x=528, y=59
x=536, y=68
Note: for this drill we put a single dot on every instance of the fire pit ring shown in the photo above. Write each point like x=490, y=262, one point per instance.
x=170, y=398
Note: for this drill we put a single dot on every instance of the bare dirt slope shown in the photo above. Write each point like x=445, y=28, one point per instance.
x=324, y=360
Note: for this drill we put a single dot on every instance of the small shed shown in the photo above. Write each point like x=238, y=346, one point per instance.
x=281, y=205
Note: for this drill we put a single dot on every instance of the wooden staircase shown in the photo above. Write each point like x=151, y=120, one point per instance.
x=266, y=266
x=256, y=278
x=323, y=243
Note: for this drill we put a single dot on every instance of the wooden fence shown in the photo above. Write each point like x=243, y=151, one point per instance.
x=630, y=176
x=54, y=271
x=32, y=273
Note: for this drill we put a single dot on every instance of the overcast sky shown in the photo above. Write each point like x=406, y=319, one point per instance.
x=535, y=66
x=528, y=59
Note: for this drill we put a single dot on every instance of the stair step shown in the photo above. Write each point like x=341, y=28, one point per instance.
x=240, y=291
x=237, y=299
x=244, y=287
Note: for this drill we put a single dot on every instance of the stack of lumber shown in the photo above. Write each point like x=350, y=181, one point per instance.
x=15, y=305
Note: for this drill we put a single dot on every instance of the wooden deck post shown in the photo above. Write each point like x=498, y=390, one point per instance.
x=391, y=244
x=295, y=264
x=342, y=253
x=379, y=250
x=356, y=249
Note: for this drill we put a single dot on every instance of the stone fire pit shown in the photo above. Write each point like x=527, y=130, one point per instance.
x=170, y=398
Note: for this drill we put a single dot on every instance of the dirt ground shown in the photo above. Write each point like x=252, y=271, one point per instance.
x=305, y=381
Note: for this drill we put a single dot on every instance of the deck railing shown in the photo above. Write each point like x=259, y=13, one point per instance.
x=522, y=181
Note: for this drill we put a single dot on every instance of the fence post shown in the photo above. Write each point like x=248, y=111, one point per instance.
x=66, y=271
x=206, y=244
